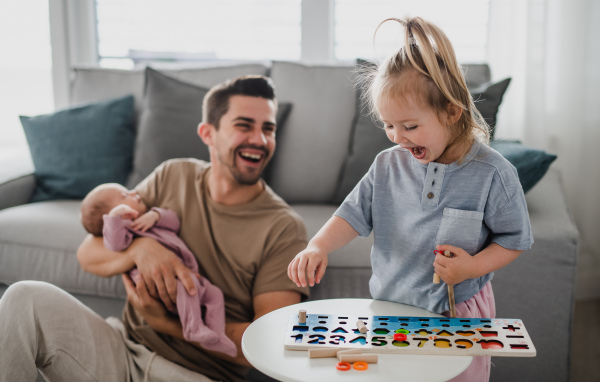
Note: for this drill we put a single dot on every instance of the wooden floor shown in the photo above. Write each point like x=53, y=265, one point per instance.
x=585, y=346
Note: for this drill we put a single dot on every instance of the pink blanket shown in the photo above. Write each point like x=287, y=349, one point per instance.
x=202, y=316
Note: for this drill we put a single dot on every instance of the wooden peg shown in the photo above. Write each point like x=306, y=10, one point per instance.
x=368, y=358
x=451, y=301
x=361, y=326
x=436, y=280
x=302, y=316
x=322, y=353
x=345, y=352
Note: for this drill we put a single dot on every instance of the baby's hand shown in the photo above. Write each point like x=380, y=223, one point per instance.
x=455, y=269
x=146, y=221
x=308, y=262
x=124, y=212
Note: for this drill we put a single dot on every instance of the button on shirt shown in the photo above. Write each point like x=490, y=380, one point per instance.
x=412, y=207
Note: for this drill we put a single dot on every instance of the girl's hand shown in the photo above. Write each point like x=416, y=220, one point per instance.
x=124, y=212
x=455, y=269
x=146, y=221
x=306, y=263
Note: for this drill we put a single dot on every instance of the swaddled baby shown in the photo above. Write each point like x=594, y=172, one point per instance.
x=120, y=215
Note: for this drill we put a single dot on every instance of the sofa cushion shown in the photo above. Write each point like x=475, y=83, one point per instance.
x=76, y=149
x=531, y=164
x=171, y=112
x=95, y=84
x=314, y=143
x=355, y=254
x=39, y=241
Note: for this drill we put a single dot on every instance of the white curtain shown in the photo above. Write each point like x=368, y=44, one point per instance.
x=551, y=49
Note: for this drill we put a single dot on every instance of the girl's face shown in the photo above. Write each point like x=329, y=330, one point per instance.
x=415, y=128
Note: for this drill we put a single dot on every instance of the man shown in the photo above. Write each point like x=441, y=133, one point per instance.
x=242, y=234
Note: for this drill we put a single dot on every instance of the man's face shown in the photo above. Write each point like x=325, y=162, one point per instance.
x=245, y=140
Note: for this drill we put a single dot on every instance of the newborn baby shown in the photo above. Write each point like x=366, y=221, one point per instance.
x=120, y=215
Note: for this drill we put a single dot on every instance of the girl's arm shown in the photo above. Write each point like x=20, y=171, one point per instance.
x=336, y=233
x=463, y=266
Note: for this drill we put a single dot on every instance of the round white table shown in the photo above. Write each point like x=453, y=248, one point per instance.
x=263, y=341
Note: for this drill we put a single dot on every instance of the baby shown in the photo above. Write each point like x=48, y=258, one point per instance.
x=120, y=215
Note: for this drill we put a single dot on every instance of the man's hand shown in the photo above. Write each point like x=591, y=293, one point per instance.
x=124, y=211
x=160, y=269
x=153, y=311
x=146, y=221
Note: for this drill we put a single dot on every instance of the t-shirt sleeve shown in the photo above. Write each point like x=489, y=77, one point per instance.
x=281, y=250
x=356, y=208
x=149, y=188
x=508, y=218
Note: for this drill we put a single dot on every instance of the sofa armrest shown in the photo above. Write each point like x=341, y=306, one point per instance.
x=17, y=179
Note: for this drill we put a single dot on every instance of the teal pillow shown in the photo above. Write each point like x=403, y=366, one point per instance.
x=531, y=164
x=74, y=150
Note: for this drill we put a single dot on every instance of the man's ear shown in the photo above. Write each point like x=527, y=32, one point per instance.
x=454, y=113
x=205, y=132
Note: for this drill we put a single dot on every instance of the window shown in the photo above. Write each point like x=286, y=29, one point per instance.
x=465, y=23
x=25, y=68
x=138, y=31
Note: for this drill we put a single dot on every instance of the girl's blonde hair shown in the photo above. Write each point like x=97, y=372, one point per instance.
x=426, y=69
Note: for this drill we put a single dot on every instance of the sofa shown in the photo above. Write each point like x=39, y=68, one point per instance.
x=321, y=152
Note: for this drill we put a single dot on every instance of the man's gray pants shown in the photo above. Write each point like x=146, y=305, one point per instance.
x=43, y=327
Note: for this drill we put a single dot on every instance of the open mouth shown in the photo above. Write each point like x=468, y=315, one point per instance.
x=251, y=157
x=419, y=152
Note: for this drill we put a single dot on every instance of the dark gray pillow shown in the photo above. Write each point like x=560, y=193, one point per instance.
x=171, y=112
x=76, y=149
x=487, y=100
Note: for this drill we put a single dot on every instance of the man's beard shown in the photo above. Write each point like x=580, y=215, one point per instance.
x=244, y=177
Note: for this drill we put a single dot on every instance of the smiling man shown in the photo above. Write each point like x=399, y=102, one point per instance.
x=242, y=234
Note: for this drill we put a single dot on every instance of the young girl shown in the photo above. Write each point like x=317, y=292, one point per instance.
x=440, y=188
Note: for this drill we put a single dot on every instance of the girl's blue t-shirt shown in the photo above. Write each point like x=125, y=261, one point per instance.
x=412, y=207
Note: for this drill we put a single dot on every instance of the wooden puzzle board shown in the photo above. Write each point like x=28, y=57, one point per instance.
x=425, y=335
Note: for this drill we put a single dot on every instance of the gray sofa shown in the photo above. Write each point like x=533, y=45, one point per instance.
x=38, y=241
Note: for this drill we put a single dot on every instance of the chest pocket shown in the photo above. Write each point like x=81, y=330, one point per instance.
x=461, y=229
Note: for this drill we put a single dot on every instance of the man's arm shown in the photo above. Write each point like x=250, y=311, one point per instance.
x=158, y=318
x=95, y=258
x=159, y=267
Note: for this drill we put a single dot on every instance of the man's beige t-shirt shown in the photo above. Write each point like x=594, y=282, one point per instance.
x=244, y=250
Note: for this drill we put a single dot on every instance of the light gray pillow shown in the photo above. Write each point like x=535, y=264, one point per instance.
x=171, y=112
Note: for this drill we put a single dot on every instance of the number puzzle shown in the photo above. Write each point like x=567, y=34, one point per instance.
x=411, y=335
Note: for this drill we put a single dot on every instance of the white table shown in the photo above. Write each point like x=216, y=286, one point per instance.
x=262, y=345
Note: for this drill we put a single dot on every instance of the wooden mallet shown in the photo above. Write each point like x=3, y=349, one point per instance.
x=436, y=280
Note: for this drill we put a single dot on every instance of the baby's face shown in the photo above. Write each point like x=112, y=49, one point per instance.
x=115, y=194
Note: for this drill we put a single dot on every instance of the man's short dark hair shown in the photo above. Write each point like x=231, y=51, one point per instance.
x=216, y=101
